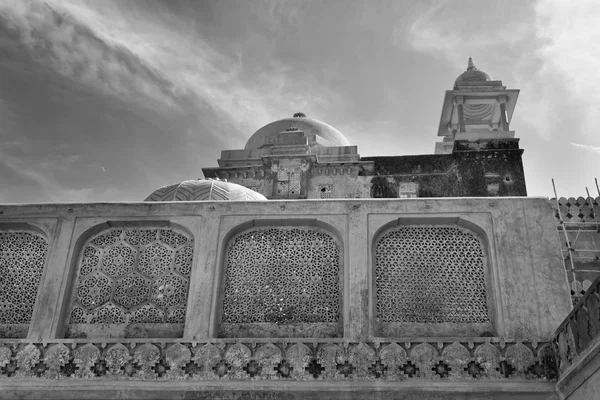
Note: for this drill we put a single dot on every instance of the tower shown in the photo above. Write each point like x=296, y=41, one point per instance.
x=475, y=127
x=477, y=108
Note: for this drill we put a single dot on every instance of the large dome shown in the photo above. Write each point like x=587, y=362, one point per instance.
x=204, y=190
x=472, y=74
x=318, y=132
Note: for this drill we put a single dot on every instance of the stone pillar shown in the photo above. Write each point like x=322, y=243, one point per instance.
x=459, y=107
x=46, y=319
x=356, y=324
x=503, y=117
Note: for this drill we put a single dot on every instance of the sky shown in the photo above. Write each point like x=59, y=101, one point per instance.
x=108, y=100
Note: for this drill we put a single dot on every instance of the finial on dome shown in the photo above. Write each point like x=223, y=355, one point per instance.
x=291, y=129
x=299, y=115
x=471, y=66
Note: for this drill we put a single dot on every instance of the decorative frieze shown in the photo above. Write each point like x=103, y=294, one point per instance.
x=279, y=360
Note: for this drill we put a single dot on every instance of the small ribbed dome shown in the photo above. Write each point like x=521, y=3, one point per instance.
x=205, y=190
x=472, y=74
x=324, y=134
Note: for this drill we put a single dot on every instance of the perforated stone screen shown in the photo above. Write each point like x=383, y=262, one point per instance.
x=22, y=259
x=289, y=184
x=430, y=275
x=132, y=275
x=277, y=277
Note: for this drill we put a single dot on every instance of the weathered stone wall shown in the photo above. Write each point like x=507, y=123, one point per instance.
x=474, y=169
x=524, y=274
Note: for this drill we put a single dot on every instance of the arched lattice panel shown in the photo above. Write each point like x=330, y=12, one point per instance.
x=430, y=280
x=282, y=282
x=132, y=282
x=22, y=258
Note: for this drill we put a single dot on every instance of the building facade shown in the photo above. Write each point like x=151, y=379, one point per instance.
x=300, y=269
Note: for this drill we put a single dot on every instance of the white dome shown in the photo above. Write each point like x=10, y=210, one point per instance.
x=322, y=133
x=205, y=190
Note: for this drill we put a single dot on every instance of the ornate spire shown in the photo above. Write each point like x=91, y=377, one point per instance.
x=299, y=115
x=471, y=66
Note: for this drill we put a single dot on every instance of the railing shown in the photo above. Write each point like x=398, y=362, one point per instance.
x=579, y=330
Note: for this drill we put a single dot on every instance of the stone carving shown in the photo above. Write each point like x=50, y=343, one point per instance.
x=237, y=356
x=146, y=357
x=545, y=363
x=362, y=357
x=5, y=356
x=268, y=356
x=27, y=358
x=176, y=357
x=116, y=357
x=207, y=357
x=430, y=274
x=173, y=360
x=329, y=356
x=520, y=358
x=55, y=357
x=488, y=357
x=299, y=356
x=283, y=277
x=457, y=357
x=424, y=356
x=133, y=276
x=85, y=358
x=22, y=259
x=393, y=356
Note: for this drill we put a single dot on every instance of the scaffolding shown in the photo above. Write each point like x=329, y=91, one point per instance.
x=572, y=226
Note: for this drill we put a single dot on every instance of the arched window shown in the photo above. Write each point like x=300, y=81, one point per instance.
x=430, y=280
x=282, y=282
x=131, y=282
x=23, y=255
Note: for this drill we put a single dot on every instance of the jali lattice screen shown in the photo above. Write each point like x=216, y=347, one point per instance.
x=22, y=259
x=138, y=276
x=430, y=275
x=282, y=282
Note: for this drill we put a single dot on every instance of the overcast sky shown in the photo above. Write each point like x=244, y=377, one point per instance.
x=108, y=100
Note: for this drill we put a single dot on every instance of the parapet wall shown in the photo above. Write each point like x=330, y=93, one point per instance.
x=459, y=268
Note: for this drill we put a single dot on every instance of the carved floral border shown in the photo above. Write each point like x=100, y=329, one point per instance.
x=279, y=360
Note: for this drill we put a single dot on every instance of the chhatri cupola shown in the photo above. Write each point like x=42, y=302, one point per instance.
x=477, y=108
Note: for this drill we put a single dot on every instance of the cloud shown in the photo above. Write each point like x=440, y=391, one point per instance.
x=62, y=43
x=593, y=149
x=569, y=32
x=153, y=59
x=445, y=31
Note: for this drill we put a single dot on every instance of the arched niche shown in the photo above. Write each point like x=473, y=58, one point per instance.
x=281, y=279
x=431, y=277
x=130, y=279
